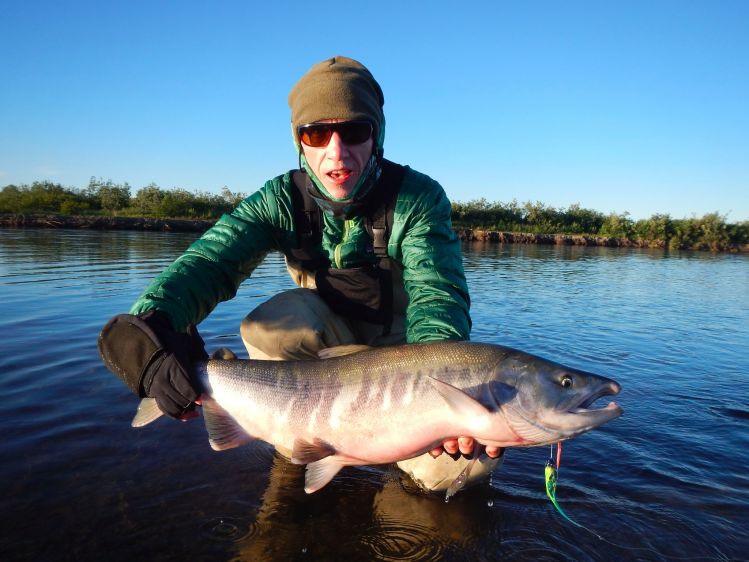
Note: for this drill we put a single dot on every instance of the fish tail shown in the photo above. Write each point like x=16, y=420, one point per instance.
x=147, y=412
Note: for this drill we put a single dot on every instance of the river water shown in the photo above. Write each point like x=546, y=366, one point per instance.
x=669, y=480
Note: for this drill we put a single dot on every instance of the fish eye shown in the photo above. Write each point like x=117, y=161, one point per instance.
x=566, y=381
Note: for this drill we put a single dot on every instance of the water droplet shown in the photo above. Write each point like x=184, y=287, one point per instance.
x=225, y=529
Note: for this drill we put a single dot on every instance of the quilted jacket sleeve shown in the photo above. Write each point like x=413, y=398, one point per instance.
x=429, y=250
x=212, y=268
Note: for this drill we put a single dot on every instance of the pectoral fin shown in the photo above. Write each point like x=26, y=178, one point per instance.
x=458, y=400
x=223, y=430
x=148, y=411
x=320, y=473
x=474, y=415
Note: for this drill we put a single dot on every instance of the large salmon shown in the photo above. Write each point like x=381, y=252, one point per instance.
x=384, y=405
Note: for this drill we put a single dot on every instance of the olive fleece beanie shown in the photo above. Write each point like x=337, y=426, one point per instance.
x=338, y=88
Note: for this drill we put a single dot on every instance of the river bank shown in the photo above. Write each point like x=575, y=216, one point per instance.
x=93, y=222
x=471, y=235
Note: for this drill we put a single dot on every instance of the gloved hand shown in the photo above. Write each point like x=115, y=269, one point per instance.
x=153, y=359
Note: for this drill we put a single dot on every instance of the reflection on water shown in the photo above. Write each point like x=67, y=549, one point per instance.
x=667, y=480
x=365, y=513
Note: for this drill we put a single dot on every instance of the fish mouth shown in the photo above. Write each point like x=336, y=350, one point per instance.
x=610, y=411
x=565, y=421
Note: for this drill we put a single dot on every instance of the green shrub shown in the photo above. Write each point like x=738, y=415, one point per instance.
x=657, y=227
x=42, y=197
x=617, y=226
x=107, y=195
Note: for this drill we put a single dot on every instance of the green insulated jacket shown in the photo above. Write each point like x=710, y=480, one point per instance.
x=422, y=240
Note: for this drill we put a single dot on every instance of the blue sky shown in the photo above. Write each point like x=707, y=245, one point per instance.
x=637, y=106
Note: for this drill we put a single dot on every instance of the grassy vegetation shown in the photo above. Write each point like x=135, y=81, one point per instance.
x=711, y=231
x=108, y=198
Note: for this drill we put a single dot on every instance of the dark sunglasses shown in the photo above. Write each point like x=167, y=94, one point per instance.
x=318, y=135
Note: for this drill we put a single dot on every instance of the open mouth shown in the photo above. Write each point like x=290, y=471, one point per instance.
x=608, y=389
x=340, y=175
x=551, y=424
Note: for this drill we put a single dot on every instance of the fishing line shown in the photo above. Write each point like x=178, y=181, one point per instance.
x=551, y=476
x=551, y=471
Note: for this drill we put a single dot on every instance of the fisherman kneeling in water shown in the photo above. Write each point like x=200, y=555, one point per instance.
x=369, y=242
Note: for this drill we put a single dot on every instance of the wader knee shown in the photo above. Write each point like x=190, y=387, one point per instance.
x=294, y=324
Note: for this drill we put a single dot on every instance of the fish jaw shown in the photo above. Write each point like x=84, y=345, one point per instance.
x=597, y=416
x=568, y=419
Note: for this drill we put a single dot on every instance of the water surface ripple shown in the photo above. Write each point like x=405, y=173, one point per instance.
x=667, y=481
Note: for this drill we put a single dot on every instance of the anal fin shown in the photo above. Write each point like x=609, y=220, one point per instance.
x=320, y=473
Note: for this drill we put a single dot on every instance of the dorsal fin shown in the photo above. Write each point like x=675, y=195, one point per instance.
x=224, y=354
x=342, y=350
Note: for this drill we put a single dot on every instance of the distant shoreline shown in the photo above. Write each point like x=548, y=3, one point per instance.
x=94, y=222
x=465, y=234
x=493, y=236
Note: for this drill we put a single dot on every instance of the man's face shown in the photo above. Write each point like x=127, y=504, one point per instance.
x=338, y=165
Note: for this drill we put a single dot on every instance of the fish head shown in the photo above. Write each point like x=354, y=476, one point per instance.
x=544, y=402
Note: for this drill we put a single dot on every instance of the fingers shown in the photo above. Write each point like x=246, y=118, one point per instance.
x=189, y=415
x=180, y=380
x=193, y=411
x=174, y=407
x=462, y=445
x=451, y=446
x=494, y=452
x=465, y=444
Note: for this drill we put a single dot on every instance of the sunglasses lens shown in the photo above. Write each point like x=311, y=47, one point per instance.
x=351, y=132
x=355, y=132
x=315, y=135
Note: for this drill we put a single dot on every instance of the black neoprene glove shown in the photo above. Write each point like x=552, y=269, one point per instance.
x=154, y=360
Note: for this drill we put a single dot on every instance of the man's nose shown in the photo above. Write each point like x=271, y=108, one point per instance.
x=336, y=147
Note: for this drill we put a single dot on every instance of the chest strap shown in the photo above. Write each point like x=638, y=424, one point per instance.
x=308, y=225
x=379, y=223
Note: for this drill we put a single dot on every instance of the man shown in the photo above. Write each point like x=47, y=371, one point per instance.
x=369, y=243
